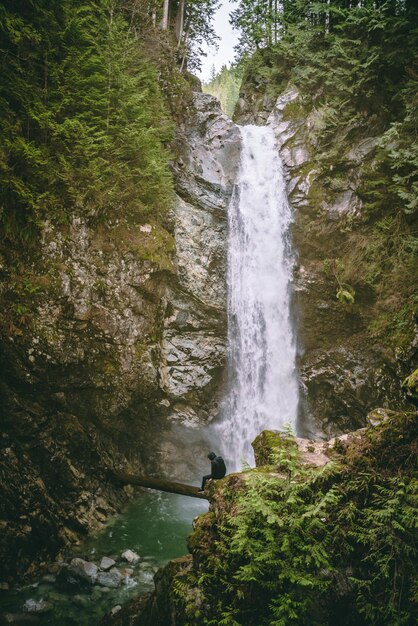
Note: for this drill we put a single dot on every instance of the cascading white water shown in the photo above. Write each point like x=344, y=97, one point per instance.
x=263, y=389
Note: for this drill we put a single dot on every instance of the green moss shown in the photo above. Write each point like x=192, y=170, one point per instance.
x=201, y=538
x=395, y=325
x=270, y=445
x=106, y=366
x=156, y=246
x=140, y=349
x=294, y=111
x=411, y=382
x=100, y=288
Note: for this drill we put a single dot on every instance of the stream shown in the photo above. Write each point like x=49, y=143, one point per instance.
x=155, y=527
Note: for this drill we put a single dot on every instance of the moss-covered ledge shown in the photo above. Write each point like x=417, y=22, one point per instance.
x=313, y=544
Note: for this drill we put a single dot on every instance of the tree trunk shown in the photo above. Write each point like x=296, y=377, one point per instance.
x=159, y=484
x=276, y=17
x=180, y=21
x=269, y=23
x=166, y=9
x=109, y=73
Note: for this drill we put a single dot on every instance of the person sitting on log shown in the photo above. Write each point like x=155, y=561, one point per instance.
x=218, y=469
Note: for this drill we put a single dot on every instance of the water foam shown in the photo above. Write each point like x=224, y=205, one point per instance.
x=263, y=388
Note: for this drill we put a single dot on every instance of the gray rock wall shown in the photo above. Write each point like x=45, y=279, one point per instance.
x=194, y=337
x=124, y=341
x=344, y=373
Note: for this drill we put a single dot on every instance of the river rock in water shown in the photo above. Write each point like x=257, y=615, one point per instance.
x=106, y=563
x=84, y=569
x=112, y=579
x=36, y=606
x=132, y=557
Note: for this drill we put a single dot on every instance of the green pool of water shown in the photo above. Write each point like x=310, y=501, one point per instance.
x=155, y=526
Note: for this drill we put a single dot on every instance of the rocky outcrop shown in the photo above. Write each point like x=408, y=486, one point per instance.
x=157, y=608
x=344, y=370
x=193, y=342
x=191, y=590
x=193, y=346
x=110, y=334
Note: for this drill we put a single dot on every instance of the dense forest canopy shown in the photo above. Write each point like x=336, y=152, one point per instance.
x=85, y=100
x=265, y=22
x=225, y=86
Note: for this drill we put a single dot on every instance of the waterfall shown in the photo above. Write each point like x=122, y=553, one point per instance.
x=263, y=389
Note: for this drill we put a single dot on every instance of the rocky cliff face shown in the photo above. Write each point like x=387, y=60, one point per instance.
x=118, y=333
x=193, y=343
x=345, y=369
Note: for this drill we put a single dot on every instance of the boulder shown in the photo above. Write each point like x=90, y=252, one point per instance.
x=112, y=579
x=115, y=609
x=36, y=606
x=378, y=416
x=106, y=563
x=83, y=569
x=272, y=447
x=77, y=575
x=132, y=557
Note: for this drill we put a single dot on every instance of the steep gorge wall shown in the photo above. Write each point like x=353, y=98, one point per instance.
x=118, y=333
x=121, y=344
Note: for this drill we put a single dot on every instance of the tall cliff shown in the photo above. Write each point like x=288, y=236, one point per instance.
x=113, y=324
x=125, y=338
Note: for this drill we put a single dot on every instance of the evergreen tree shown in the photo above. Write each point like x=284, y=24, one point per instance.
x=81, y=118
x=225, y=86
x=198, y=30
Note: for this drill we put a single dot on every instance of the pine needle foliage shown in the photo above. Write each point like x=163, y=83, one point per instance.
x=82, y=122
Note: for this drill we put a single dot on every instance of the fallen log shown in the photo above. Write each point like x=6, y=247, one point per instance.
x=159, y=484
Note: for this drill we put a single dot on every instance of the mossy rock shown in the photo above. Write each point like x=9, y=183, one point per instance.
x=268, y=445
x=194, y=82
x=201, y=538
x=412, y=380
x=379, y=416
x=410, y=384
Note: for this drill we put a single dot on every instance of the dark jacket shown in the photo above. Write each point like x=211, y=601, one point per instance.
x=218, y=467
